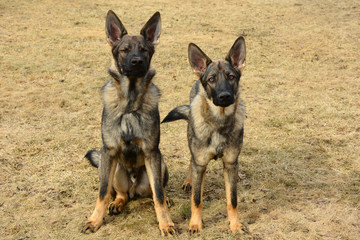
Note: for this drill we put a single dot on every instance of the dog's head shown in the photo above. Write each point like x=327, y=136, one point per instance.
x=220, y=78
x=133, y=54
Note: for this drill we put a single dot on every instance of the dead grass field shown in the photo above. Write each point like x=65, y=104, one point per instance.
x=300, y=165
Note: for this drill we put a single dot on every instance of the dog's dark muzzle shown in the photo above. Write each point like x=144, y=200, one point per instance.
x=136, y=67
x=136, y=61
x=224, y=99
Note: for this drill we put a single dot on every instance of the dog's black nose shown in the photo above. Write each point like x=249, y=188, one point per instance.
x=136, y=61
x=225, y=97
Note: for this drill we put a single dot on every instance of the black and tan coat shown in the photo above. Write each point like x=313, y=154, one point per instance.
x=215, y=126
x=130, y=161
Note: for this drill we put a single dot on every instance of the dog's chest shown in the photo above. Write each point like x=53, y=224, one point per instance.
x=121, y=129
x=125, y=135
x=130, y=126
x=216, y=143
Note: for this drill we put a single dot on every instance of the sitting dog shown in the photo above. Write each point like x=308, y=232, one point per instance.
x=130, y=161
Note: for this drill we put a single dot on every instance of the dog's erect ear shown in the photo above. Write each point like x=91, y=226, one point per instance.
x=115, y=30
x=198, y=59
x=152, y=29
x=237, y=53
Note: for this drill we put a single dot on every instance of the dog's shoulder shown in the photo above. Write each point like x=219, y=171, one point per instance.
x=195, y=89
x=240, y=115
x=151, y=98
x=199, y=114
x=154, y=91
x=111, y=96
x=153, y=94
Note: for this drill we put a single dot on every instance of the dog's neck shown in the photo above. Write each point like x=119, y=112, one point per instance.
x=220, y=116
x=132, y=89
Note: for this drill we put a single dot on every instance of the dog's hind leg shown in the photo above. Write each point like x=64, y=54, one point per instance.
x=121, y=188
x=187, y=182
x=143, y=185
x=119, y=202
x=108, y=166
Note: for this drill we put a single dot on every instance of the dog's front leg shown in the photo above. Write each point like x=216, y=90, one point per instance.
x=108, y=166
x=198, y=177
x=230, y=177
x=153, y=169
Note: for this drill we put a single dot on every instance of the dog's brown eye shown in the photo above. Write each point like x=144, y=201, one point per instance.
x=211, y=79
x=124, y=50
x=142, y=49
x=231, y=77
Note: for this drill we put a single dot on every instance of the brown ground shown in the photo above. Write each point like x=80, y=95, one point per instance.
x=300, y=166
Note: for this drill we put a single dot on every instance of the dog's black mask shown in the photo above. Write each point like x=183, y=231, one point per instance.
x=133, y=54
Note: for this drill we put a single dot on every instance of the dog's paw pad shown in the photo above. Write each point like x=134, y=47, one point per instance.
x=186, y=186
x=114, y=208
x=90, y=227
x=169, y=202
x=168, y=230
x=194, y=229
x=239, y=228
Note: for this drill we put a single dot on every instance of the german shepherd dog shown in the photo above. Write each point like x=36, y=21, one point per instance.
x=215, y=126
x=130, y=161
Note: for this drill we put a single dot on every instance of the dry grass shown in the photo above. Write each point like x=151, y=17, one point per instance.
x=300, y=166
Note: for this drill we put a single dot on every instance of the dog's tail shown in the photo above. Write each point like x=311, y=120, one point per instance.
x=181, y=112
x=94, y=157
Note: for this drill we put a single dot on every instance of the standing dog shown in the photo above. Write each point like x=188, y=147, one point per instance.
x=130, y=161
x=215, y=126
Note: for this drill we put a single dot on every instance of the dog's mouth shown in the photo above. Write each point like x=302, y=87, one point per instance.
x=222, y=104
x=135, y=72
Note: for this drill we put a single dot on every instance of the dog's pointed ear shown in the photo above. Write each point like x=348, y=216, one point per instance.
x=237, y=54
x=152, y=29
x=115, y=30
x=198, y=59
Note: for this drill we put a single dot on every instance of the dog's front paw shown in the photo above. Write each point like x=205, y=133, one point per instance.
x=186, y=185
x=91, y=226
x=239, y=228
x=169, y=202
x=194, y=228
x=167, y=229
